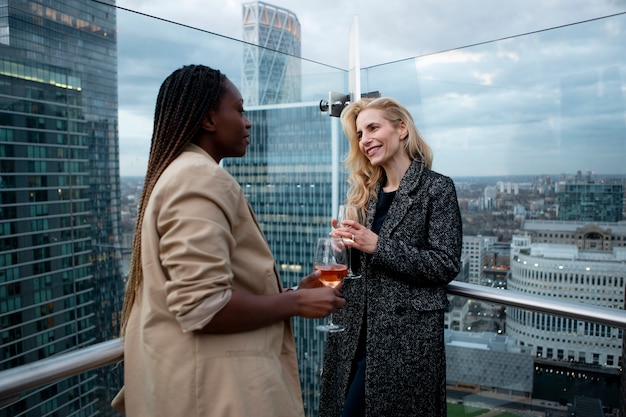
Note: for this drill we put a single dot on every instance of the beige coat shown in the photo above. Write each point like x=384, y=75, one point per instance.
x=200, y=238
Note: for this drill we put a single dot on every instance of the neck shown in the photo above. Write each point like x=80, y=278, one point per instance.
x=394, y=173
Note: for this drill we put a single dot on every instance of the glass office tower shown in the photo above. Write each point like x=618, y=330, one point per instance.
x=271, y=55
x=287, y=173
x=287, y=178
x=591, y=201
x=60, y=280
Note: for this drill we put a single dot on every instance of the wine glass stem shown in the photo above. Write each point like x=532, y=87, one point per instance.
x=349, y=261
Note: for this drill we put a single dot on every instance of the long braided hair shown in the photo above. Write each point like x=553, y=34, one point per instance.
x=184, y=99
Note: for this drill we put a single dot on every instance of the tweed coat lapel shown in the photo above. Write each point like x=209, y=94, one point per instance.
x=402, y=201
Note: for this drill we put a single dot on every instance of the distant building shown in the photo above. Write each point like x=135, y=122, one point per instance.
x=271, y=70
x=475, y=248
x=60, y=281
x=584, y=235
x=590, y=201
x=487, y=361
x=564, y=271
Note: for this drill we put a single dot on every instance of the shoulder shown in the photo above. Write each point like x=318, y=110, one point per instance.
x=195, y=170
x=427, y=179
x=436, y=176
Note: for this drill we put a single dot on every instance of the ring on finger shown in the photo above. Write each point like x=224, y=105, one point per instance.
x=353, y=237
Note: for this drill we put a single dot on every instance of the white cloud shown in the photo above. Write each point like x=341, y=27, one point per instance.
x=504, y=98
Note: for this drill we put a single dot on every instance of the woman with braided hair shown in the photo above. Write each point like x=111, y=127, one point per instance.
x=205, y=320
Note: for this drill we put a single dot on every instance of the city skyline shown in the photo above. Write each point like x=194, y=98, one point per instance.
x=63, y=200
x=510, y=107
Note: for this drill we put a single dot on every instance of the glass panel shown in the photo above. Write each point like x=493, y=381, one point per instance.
x=519, y=124
x=548, y=103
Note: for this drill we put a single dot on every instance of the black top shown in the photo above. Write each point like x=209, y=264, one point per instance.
x=382, y=207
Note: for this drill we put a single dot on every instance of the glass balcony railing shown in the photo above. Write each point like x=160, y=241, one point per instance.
x=18, y=381
x=514, y=122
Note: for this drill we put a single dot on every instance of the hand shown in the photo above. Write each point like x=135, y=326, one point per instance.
x=315, y=303
x=311, y=281
x=355, y=235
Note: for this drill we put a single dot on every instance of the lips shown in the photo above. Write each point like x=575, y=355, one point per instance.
x=372, y=150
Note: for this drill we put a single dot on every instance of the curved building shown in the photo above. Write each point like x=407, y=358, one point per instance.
x=565, y=272
x=271, y=73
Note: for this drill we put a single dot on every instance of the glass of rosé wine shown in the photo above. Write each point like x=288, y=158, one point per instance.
x=331, y=258
x=349, y=212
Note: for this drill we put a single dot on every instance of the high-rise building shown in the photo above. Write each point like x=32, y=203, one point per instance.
x=60, y=280
x=574, y=261
x=287, y=173
x=271, y=55
x=287, y=178
x=475, y=248
x=590, y=201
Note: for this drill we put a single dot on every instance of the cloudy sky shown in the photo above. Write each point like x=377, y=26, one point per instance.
x=390, y=30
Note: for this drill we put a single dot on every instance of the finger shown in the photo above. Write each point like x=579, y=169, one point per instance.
x=310, y=280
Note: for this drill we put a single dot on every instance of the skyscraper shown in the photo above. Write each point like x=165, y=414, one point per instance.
x=287, y=178
x=590, y=201
x=271, y=55
x=287, y=173
x=60, y=279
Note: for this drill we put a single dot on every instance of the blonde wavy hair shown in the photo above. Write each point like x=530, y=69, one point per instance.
x=363, y=177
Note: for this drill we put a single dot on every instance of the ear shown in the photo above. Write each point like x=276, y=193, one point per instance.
x=208, y=123
x=403, y=130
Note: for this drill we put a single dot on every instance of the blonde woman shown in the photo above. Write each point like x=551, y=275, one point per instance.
x=390, y=360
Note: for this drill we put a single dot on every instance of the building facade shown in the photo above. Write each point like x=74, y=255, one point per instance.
x=476, y=247
x=60, y=280
x=585, y=236
x=590, y=201
x=562, y=271
x=271, y=55
x=287, y=178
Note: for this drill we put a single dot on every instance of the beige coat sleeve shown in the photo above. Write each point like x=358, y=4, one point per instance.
x=194, y=222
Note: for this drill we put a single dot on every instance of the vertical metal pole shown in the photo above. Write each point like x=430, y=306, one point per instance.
x=622, y=388
x=334, y=148
x=354, y=75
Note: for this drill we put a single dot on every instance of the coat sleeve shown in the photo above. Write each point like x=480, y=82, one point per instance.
x=429, y=252
x=196, y=243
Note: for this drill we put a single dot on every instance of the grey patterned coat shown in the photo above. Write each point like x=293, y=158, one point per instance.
x=402, y=297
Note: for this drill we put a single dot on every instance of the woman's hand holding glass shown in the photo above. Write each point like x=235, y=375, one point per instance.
x=351, y=228
x=314, y=300
x=331, y=260
x=348, y=212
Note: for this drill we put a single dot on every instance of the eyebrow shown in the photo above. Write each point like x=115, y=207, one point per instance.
x=370, y=124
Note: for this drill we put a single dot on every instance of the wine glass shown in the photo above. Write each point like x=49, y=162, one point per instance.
x=331, y=258
x=349, y=212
